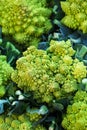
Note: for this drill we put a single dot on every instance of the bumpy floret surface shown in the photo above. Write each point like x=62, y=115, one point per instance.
x=49, y=74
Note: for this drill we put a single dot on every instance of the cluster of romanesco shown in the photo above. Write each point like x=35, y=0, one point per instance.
x=33, y=117
x=49, y=74
x=76, y=116
x=5, y=74
x=24, y=20
x=75, y=14
x=21, y=122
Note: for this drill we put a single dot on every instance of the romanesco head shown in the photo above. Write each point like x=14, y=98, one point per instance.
x=10, y=128
x=74, y=118
x=33, y=117
x=78, y=71
x=4, y=126
x=23, y=118
x=49, y=74
x=19, y=122
x=25, y=21
x=2, y=90
x=15, y=124
x=1, y=119
x=5, y=74
x=40, y=127
x=8, y=120
x=26, y=126
x=75, y=14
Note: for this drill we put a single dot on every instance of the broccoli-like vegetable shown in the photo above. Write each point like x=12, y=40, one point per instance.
x=25, y=126
x=18, y=122
x=8, y=120
x=75, y=117
x=75, y=14
x=5, y=74
x=4, y=126
x=15, y=124
x=49, y=74
x=1, y=119
x=34, y=116
x=10, y=128
x=40, y=127
x=26, y=20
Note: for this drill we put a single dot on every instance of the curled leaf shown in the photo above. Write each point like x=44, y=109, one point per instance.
x=2, y=102
x=43, y=110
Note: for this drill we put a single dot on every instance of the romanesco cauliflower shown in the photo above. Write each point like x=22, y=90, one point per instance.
x=25, y=21
x=40, y=127
x=76, y=115
x=5, y=74
x=49, y=74
x=18, y=122
x=75, y=14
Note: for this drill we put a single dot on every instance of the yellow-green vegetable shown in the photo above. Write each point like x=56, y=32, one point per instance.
x=40, y=127
x=75, y=14
x=5, y=74
x=18, y=122
x=76, y=115
x=24, y=20
x=4, y=126
x=49, y=74
x=26, y=126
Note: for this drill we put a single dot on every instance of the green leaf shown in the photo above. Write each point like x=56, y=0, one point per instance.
x=8, y=49
x=81, y=51
x=2, y=102
x=43, y=110
x=58, y=106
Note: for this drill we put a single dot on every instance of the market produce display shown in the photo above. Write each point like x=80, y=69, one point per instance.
x=43, y=65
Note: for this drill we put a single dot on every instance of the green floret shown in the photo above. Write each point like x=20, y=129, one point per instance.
x=26, y=126
x=69, y=86
x=21, y=122
x=4, y=126
x=40, y=127
x=2, y=90
x=74, y=118
x=23, y=118
x=33, y=116
x=49, y=74
x=1, y=119
x=75, y=14
x=9, y=120
x=10, y=128
x=25, y=21
x=79, y=71
x=15, y=124
x=5, y=74
x=81, y=96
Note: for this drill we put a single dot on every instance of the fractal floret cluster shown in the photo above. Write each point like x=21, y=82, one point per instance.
x=49, y=74
x=5, y=74
x=76, y=116
x=75, y=14
x=24, y=20
x=15, y=122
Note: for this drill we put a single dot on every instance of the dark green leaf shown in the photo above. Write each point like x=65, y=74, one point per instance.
x=8, y=49
x=58, y=106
